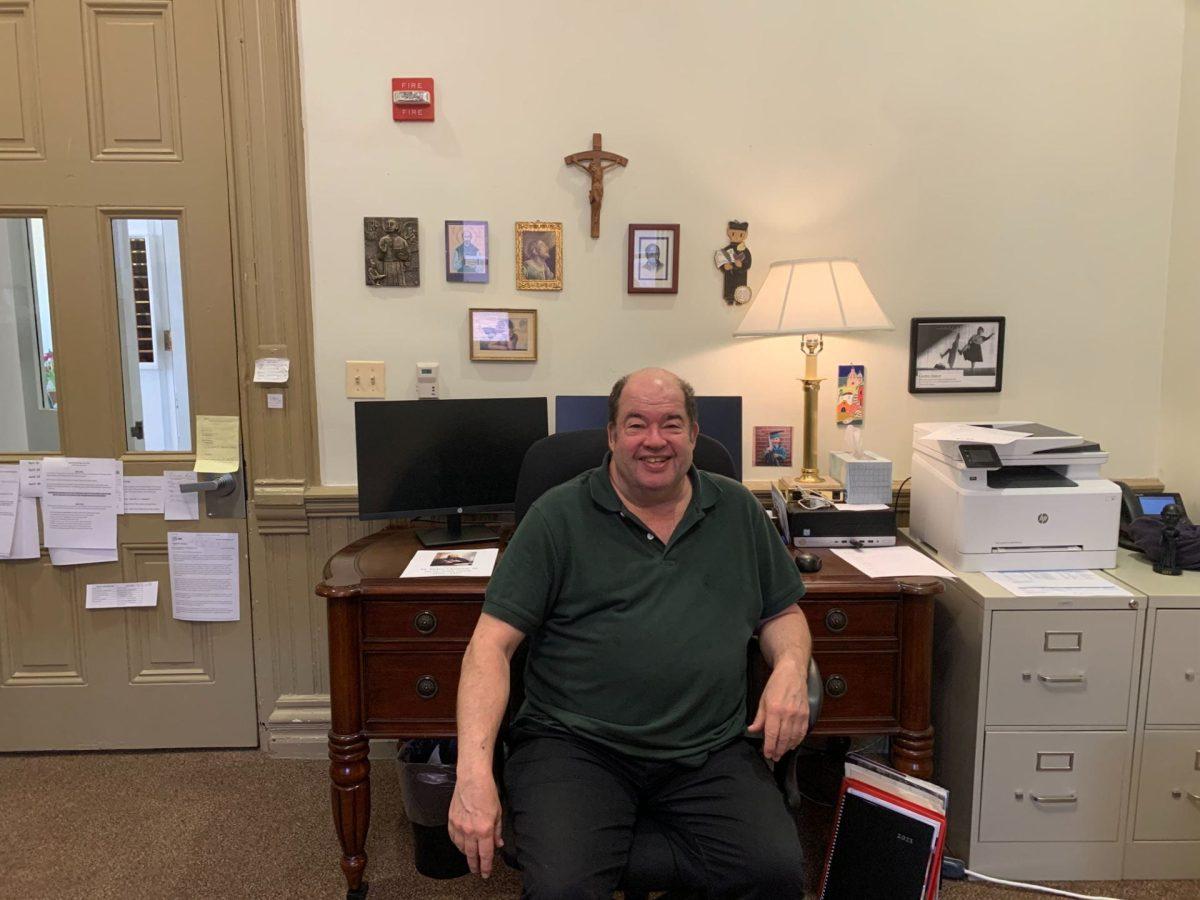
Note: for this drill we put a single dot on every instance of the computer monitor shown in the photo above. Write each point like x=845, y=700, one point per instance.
x=443, y=458
x=720, y=418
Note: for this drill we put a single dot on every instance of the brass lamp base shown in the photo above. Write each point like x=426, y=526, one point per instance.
x=810, y=472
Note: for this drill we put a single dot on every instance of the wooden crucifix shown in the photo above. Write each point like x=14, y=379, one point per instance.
x=595, y=162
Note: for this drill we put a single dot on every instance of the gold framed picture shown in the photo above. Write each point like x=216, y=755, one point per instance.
x=539, y=256
x=503, y=335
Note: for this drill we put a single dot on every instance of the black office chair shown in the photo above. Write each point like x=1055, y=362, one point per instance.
x=550, y=462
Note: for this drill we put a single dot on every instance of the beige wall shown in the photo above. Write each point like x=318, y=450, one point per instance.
x=1010, y=157
x=1181, y=353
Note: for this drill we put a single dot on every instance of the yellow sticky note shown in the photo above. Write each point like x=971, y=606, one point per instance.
x=217, y=446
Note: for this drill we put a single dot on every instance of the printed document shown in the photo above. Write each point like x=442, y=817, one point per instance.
x=889, y=562
x=113, y=596
x=79, y=505
x=451, y=563
x=31, y=477
x=178, y=506
x=144, y=494
x=271, y=370
x=66, y=556
x=204, y=576
x=217, y=446
x=974, y=434
x=25, y=543
x=1060, y=583
x=10, y=493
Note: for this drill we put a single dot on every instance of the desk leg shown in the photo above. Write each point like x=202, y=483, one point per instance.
x=350, y=773
x=912, y=748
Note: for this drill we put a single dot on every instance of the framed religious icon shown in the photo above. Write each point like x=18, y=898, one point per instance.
x=956, y=355
x=466, y=251
x=393, y=252
x=503, y=335
x=539, y=256
x=653, y=263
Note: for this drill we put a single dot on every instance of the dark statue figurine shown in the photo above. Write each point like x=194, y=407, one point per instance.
x=1168, y=548
x=734, y=261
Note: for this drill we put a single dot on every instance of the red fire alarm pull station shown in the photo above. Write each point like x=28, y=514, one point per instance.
x=412, y=99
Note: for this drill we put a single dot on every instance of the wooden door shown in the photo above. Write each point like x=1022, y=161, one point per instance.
x=113, y=143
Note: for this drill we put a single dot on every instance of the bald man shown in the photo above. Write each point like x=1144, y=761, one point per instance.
x=638, y=584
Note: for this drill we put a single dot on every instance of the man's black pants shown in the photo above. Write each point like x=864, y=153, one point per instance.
x=573, y=805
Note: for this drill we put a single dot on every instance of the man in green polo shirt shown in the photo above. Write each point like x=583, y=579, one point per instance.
x=638, y=585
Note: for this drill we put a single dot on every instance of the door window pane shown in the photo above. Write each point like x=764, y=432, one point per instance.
x=153, y=342
x=28, y=381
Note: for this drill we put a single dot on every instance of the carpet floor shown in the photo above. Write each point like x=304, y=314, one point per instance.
x=232, y=824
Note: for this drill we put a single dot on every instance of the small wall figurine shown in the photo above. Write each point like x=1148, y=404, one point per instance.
x=734, y=261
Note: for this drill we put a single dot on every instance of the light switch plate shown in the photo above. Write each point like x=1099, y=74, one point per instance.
x=365, y=379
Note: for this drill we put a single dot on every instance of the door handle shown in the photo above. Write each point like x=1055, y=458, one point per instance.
x=222, y=486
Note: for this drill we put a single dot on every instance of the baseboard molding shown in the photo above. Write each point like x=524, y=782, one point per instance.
x=298, y=728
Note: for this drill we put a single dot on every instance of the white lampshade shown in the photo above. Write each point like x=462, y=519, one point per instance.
x=813, y=296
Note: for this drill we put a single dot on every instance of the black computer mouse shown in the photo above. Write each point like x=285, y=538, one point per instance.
x=808, y=562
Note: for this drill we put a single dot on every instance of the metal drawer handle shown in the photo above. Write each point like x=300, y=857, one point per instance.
x=427, y=687
x=425, y=622
x=1061, y=679
x=1053, y=798
x=836, y=620
x=835, y=686
x=1195, y=798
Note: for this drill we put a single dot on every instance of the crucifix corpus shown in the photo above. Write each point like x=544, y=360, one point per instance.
x=595, y=162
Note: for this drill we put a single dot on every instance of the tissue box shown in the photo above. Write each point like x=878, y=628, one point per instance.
x=867, y=480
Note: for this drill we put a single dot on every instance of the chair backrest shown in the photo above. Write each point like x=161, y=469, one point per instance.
x=562, y=456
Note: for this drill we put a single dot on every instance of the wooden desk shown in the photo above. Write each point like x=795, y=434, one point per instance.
x=395, y=648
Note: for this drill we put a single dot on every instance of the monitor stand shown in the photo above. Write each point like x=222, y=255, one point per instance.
x=454, y=533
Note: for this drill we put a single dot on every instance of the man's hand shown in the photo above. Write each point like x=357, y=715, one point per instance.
x=474, y=823
x=783, y=709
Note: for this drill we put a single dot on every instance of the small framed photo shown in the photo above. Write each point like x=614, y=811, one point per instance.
x=653, y=259
x=772, y=445
x=539, y=256
x=956, y=355
x=503, y=335
x=466, y=251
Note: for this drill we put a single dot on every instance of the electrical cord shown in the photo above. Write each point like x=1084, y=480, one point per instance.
x=1021, y=885
x=896, y=496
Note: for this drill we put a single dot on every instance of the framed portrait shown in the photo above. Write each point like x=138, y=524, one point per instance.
x=539, y=256
x=772, y=445
x=503, y=335
x=956, y=355
x=653, y=263
x=466, y=251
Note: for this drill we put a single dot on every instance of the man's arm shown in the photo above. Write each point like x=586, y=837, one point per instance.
x=475, y=814
x=782, y=714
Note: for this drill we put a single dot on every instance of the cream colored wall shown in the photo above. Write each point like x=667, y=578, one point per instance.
x=1010, y=157
x=1181, y=353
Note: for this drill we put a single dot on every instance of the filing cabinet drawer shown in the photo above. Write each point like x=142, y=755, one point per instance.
x=419, y=620
x=410, y=686
x=1060, y=667
x=1168, y=800
x=848, y=619
x=1052, y=785
x=1175, y=669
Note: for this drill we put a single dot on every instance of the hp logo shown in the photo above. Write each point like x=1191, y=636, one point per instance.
x=1043, y=519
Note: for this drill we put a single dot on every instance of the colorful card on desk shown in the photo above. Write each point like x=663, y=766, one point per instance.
x=452, y=563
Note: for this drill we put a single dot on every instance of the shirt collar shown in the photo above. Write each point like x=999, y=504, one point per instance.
x=705, y=491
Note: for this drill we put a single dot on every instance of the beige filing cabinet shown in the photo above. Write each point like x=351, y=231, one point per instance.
x=1163, y=830
x=1034, y=706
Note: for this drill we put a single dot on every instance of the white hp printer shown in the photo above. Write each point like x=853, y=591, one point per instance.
x=1011, y=496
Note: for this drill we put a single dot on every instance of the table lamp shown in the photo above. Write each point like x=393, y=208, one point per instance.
x=812, y=297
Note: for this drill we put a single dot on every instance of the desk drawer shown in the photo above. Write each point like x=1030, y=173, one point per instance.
x=1175, y=669
x=1168, y=800
x=1060, y=667
x=410, y=686
x=860, y=687
x=1052, y=785
x=419, y=620
x=850, y=619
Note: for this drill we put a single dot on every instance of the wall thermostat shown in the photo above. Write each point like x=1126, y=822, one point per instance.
x=427, y=381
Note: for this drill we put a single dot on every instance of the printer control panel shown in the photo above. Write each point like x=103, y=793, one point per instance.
x=979, y=456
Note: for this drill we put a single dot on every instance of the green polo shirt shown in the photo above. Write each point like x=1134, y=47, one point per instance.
x=637, y=644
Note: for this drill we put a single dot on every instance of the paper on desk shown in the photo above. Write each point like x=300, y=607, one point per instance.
x=859, y=507
x=974, y=434
x=178, y=506
x=205, y=576
x=453, y=563
x=31, y=477
x=271, y=370
x=113, y=596
x=79, y=503
x=10, y=494
x=25, y=543
x=888, y=562
x=144, y=493
x=217, y=447
x=1060, y=583
x=68, y=556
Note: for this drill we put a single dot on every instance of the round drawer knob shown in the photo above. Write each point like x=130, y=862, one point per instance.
x=835, y=686
x=836, y=620
x=425, y=622
x=427, y=687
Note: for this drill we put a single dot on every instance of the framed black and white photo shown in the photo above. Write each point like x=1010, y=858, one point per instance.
x=653, y=259
x=956, y=355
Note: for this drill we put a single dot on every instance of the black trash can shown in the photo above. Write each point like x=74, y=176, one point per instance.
x=427, y=787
